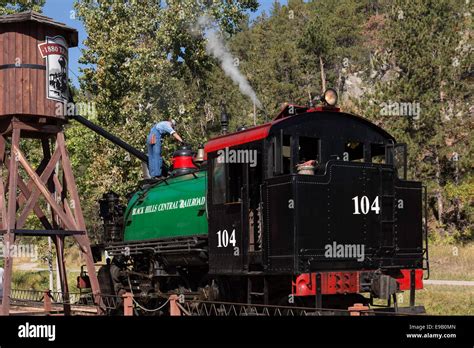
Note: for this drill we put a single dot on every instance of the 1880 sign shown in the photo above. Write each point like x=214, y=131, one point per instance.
x=54, y=50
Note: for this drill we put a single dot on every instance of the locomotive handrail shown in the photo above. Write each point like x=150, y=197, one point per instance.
x=163, y=247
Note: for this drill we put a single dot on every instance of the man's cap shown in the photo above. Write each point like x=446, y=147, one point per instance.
x=173, y=122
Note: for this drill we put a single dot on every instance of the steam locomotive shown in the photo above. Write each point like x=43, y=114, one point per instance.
x=311, y=209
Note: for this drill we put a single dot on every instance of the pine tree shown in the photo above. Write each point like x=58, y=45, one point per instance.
x=427, y=52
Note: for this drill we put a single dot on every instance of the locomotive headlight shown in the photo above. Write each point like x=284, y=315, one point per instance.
x=330, y=97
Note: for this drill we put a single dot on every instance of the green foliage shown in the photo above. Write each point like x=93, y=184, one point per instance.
x=9, y=7
x=28, y=280
x=39, y=280
x=144, y=63
x=333, y=32
x=426, y=48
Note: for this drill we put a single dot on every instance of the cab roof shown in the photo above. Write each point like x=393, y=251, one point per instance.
x=288, y=114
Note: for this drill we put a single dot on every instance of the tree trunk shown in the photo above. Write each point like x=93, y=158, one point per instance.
x=323, y=75
x=439, y=195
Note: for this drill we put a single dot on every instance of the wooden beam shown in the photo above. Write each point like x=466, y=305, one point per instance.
x=2, y=149
x=41, y=186
x=36, y=208
x=44, y=162
x=46, y=158
x=83, y=241
x=36, y=127
x=32, y=200
x=3, y=205
x=62, y=274
x=22, y=198
x=64, y=200
x=57, y=196
x=70, y=183
x=9, y=237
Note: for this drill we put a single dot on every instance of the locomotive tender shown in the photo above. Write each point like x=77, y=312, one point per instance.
x=310, y=209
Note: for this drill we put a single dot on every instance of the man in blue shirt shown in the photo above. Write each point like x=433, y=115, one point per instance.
x=157, y=132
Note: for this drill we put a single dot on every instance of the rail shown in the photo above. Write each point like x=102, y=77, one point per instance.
x=128, y=305
x=28, y=297
x=211, y=308
x=194, y=308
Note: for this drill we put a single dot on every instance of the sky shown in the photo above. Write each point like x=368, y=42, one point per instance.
x=63, y=11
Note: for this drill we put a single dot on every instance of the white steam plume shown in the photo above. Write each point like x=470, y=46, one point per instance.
x=216, y=47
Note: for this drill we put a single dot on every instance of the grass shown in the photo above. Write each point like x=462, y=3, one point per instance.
x=449, y=262
x=447, y=300
x=39, y=280
x=452, y=262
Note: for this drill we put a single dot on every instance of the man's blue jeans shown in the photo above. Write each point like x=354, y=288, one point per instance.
x=154, y=156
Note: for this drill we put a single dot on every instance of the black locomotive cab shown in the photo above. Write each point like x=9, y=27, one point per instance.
x=316, y=191
x=352, y=195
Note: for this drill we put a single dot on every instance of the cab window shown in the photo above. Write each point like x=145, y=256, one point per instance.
x=235, y=182
x=218, y=182
x=227, y=181
x=353, y=151
x=377, y=153
x=281, y=154
x=308, y=149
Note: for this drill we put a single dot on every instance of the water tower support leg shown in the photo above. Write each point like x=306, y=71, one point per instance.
x=82, y=240
x=9, y=237
x=62, y=274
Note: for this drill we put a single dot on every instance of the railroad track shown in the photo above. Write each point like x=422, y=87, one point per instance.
x=31, y=301
x=80, y=303
x=211, y=308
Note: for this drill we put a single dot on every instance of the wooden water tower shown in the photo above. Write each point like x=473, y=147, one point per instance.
x=33, y=93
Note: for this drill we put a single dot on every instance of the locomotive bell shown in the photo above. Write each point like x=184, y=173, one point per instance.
x=200, y=155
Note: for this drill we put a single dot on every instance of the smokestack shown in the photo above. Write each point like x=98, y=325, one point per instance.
x=224, y=120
